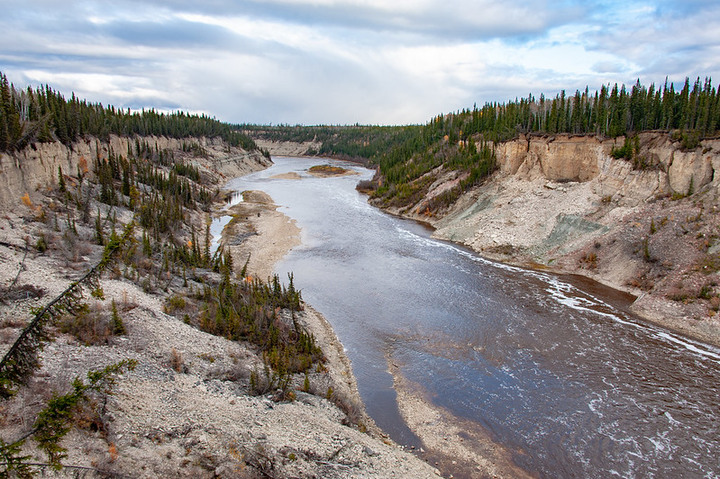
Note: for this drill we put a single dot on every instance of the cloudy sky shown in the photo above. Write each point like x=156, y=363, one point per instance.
x=349, y=61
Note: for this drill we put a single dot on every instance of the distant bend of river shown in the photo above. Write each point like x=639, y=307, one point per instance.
x=583, y=388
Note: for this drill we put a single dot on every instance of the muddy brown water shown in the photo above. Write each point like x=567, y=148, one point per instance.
x=554, y=368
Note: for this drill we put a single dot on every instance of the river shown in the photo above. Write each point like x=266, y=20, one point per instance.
x=552, y=368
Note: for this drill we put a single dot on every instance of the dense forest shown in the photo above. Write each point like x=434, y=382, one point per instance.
x=465, y=140
x=44, y=115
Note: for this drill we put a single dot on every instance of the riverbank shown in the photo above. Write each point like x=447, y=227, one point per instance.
x=265, y=235
x=662, y=249
x=456, y=447
x=193, y=406
x=259, y=234
x=660, y=252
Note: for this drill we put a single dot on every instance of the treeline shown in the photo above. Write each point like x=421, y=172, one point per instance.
x=465, y=140
x=612, y=112
x=44, y=115
x=356, y=142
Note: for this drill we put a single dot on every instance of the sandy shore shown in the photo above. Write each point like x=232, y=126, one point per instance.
x=286, y=176
x=260, y=232
x=456, y=446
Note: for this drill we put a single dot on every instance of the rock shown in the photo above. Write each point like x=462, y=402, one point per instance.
x=367, y=450
x=689, y=169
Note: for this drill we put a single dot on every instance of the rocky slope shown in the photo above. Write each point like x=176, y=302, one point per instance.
x=34, y=170
x=288, y=148
x=190, y=408
x=648, y=225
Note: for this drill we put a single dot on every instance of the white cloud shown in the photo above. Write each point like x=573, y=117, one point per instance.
x=333, y=61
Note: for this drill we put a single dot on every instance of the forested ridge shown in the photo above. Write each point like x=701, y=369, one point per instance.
x=45, y=115
x=465, y=140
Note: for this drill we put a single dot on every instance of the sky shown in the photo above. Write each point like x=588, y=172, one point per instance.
x=349, y=61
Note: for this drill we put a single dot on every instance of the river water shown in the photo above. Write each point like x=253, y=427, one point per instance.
x=554, y=369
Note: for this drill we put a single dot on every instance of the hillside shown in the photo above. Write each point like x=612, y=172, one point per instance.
x=229, y=376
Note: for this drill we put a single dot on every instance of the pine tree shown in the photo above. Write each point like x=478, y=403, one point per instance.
x=116, y=323
x=61, y=180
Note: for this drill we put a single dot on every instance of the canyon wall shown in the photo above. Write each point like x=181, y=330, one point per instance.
x=289, y=148
x=36, y=167
x=565, y=158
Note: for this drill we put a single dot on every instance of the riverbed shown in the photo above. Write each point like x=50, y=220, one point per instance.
x=552, y=370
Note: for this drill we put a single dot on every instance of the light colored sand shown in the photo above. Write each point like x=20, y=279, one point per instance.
x=455, y=445
x=287, y=176
x=260, y=232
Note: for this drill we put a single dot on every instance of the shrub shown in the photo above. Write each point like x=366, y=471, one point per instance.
x=646, y=250
x=174, y=303
x=176, y=361
x=306, y=384
x=710, y=263
x=88, y=326
x=41, y=244
x=348, y=405
x=705, y=292
x=679, y=295
x=715, y=303
x=367, y=186
x=116, y=322
x=590, y=260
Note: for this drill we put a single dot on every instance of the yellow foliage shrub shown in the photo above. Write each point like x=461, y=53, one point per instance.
x=27, y=201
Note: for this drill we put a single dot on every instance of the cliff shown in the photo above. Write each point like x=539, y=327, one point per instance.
x=647, y=225
x=35, y=169
x=289, y=148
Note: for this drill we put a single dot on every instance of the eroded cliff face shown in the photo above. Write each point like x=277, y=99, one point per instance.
x=36, y=167
x=581, y=159
x=289, y=148
x=565, y=203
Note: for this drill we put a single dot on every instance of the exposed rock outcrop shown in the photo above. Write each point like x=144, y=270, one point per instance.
x=566, y=158
x=289, y=148
x=36, y=167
